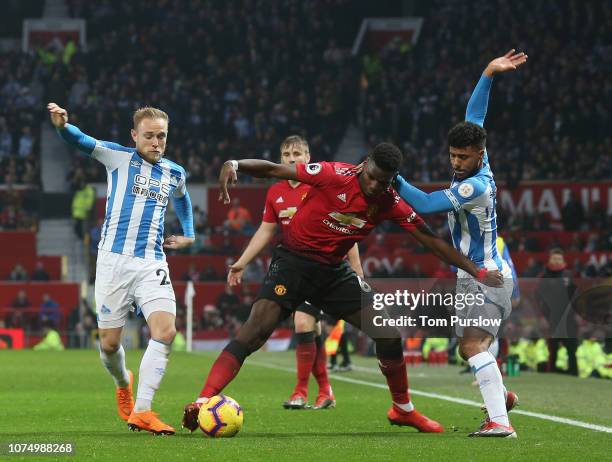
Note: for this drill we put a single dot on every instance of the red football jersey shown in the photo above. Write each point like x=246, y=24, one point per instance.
x=335, y=214
x=282, y=201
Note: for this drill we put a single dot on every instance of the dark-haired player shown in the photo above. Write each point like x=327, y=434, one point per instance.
x=282, y=202
x=470, y=203
x=343, y=206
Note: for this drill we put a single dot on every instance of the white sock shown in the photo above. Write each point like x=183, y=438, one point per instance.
x=491, y=386
x=115, y=365
x=407, y=407
x=152, y=369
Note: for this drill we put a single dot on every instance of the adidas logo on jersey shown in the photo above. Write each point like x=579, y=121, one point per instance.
x=280, y=200
x=135, y=164
x=342, y=197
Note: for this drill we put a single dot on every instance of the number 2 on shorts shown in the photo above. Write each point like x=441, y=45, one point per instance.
x=164, y=281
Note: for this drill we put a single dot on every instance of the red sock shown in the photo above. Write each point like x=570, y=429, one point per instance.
x=305, y=354
x=319, y=368
x=223, y=371
x=394, y=371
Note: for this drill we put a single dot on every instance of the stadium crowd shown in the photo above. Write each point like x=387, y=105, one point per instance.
x=551, y=121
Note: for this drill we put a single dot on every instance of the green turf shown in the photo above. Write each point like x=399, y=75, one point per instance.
x=68, y=396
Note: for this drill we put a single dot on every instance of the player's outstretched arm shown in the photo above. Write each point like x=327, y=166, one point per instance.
x=262, y=237
x=479, y=101
x=448, y=254
x=69, y=133
x=254, y=167
x=420, y=201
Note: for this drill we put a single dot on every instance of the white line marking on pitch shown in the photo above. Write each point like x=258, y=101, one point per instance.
x=467, y=402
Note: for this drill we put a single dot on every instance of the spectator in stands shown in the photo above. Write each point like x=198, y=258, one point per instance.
x=39, y=273
x=18, y=273
x=211, y=318
x=6, y=140
x=533, y=269
x=26, y=142
x=555, y=292
x=81, y=324
x=255, y=271
x=228, y=303
x=192, y=274
x=572, y=214
x=228, y=247
x=11, y=218
x=21, y=300
x=49, y=310
x=239, y=219
x=82, y=205
x=209, y=274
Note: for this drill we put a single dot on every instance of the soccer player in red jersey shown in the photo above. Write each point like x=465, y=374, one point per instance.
x=282, y=201
x=345, y=203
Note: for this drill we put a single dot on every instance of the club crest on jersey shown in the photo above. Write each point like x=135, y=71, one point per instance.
x=342, y=197
x=280, y=290
x=313, y=169
x=173, y=180
x=465, y=190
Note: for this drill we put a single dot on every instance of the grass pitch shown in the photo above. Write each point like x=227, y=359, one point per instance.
x=69, y=397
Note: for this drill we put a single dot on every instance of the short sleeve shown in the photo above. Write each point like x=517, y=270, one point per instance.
x=269, y=214
x=405, y=216
x=112, y=155
x=316, y=174
x=464, y=192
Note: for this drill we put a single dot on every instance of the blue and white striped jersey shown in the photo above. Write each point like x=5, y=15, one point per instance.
x=137, y=197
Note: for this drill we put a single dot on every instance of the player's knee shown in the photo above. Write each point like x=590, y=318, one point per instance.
x=110, y=341
x=470, y=347
x=389, y=348
x=166, y=334
x=304, y=322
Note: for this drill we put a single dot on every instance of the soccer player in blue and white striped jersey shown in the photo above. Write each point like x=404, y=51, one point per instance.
x=131, y=268
x=470, y=202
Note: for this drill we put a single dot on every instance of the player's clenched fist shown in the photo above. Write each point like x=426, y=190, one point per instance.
x=59, y=116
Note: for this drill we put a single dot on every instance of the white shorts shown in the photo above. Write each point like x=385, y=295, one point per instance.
x=122, y=281
x=495, y=308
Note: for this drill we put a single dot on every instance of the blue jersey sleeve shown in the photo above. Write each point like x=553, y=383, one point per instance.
x=421, y=201
x=182, y=206
x=479, y=101
x=77, y=139
x=464, y=192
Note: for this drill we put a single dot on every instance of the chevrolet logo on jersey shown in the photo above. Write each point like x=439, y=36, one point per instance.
x=348, y=219
x=287, y=213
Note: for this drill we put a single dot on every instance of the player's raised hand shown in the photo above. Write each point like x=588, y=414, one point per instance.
x=234, y=275
x=178, y=242
x=227, y=175
x=59, y=116
x=509, y=62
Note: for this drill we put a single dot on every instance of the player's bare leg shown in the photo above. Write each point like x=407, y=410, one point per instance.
x=113, y=358
x=152, y=369
x=390, y=354
x=265, y=316
x=473, y=347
